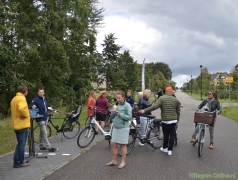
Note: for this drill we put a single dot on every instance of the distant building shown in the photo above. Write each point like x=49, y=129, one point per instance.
x=216, y=79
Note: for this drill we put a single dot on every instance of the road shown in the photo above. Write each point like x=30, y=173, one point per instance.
x=146, y=163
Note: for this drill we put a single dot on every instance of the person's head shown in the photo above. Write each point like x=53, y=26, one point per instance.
x=211, y=95
x=147, y=93
x=159, y=90
x=140, y=95
x=128, y=93
x=41, y=92
x=168, y=90
x=23, y=89
x=103, y=93
x=93, y=94
x=120, y=95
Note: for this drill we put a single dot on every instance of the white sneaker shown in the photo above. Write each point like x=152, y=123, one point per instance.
x=169, y=153
x=164, y=150
x=140, y=143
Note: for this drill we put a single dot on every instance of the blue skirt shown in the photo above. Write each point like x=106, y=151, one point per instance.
x=120, y=136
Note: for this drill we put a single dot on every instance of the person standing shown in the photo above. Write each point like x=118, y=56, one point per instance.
x=121, y=128
x=143, y=104
x=20, y=123
x=91, y=105
x=40, y=103
x=211, y=104
x=130, y=99
x=170, y=112
x=102, y=106
x=159, y=93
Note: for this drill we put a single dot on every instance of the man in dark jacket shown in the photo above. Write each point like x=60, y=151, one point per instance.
x=130, y=99
x=40, y=103
x=159, y=93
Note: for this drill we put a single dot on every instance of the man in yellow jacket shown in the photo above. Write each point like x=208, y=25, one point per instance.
x=20, y=122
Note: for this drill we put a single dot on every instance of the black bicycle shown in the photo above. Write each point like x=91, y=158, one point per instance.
x=154, y=135
x=70, y=127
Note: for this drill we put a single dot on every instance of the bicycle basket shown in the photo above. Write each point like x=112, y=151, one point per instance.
x=205, y=118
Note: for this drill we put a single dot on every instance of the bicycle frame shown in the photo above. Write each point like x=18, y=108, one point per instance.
x=201, y=126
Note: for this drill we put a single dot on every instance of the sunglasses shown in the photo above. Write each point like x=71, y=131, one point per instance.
x=209, y=93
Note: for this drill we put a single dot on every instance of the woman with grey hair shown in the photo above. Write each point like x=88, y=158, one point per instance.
x=143, y=104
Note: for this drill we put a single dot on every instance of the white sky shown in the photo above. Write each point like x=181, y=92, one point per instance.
x=183, y=34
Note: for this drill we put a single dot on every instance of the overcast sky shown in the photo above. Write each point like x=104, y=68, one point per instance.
x=183, y=34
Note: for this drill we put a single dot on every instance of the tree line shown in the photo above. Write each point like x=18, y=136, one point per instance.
x=205, y=82
x=52, y=44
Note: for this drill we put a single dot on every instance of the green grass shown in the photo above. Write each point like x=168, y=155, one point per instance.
x=8, y=139
x=231, y=113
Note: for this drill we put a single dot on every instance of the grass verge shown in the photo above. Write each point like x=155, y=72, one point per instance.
x=231, y=113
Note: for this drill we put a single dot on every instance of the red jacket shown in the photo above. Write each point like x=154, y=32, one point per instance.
x=91, y=105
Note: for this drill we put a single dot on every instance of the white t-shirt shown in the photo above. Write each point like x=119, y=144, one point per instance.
x=170, y=122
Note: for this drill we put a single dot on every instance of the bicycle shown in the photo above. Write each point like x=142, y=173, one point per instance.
x=154, y=135
x=108, y=120
x=207, y=119
x=87, y=135
x=70, y=127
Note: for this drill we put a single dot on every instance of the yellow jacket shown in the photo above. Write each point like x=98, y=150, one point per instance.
x=20, y=118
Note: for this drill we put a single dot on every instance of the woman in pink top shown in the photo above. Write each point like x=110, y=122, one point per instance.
x=102, y=106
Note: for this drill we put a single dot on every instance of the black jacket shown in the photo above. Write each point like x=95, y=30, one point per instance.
x=143, y=104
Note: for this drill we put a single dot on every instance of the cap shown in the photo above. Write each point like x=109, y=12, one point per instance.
x=169, y=89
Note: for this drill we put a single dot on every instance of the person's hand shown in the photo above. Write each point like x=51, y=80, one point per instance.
x=141, y=111
x=197, y=110
x=22, y=117
x=34, y=106
x=218, y=112
x=118, y=113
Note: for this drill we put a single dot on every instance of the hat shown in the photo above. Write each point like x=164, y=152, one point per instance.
x=169, y=89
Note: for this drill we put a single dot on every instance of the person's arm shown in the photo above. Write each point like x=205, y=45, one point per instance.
x=132, y=101
x=219, y=107
x=128, y=115
x=33, y=103
x=154, y=106
x=107, y=104
x=23, y=109
x=202, y=104
x=178, y=110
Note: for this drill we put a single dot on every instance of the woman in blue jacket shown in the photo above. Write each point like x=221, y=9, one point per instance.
x=121, y=128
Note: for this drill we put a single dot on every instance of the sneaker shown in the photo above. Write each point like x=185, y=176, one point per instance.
x=43, y=149
x=23, y=165
x=53, y=149
x=169, y=153
x=164, y=150
x=140, y=143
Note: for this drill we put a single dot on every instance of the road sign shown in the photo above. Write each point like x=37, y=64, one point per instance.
x=229, y=79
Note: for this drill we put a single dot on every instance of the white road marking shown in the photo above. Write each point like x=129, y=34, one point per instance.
x=52, y=154
x=65, y=154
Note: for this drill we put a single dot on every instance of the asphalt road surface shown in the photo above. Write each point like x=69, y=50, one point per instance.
x=147, y=163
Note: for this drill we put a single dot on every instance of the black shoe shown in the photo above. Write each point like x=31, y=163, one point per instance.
x=53, y=149
x=96, y=132
x=43, y=149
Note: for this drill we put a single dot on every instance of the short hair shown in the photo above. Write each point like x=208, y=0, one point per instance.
x=40, y=88
x=140, y=93
x=146, y=93
x=22, y=89
x=103, y=93
x=129, y=90
x=120, y=93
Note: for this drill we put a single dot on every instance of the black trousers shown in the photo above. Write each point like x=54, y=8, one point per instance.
x=169, y=133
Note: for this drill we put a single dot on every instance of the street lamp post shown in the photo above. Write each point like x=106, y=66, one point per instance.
x=191, y=85
x=201, y=81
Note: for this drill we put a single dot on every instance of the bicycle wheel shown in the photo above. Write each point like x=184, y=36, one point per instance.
x=130, y=145
x=155, y=136
x=87, y=121
x=71, y=130
x=37, y=133
x=86, y=136
x=200, y=145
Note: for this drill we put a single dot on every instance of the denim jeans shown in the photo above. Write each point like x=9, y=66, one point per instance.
x=43, y=140
x=18, y=158
x=168, y=132
x=143, y=125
